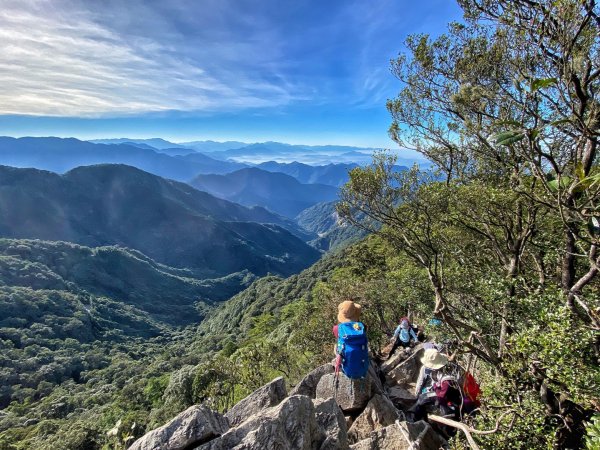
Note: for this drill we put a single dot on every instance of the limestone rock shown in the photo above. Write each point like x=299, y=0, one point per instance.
x=196, y=424
x=401, y=398
x=403, y=436
x=269, y=395
x=308, y=385
x=424, y=436
x=406, y=371
x=291, y=425
x=331, y=419
x=350, y=395
x=379, y=413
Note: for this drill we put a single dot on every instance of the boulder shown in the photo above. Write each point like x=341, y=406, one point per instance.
x=349, y=421
x=403, y=436
x=379, y=413
x=291, y=425
x=401, y=397
x=405, y=371
x=373, y=374
x=308, y=385
x=331, y=419
x=350, y=395
x=195, y=425
x=270, y=394
x=398, y=356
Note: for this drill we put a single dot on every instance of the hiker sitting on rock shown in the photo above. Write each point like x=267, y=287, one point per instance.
x=432, y=361
x=351, y=349
x=437, y=388
x=403, y=335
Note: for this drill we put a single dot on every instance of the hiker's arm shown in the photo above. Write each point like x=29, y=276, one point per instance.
x=420, y=381
x=413, y=335
x=397, y=332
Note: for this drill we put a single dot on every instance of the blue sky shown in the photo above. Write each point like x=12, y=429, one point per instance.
x=302, y=71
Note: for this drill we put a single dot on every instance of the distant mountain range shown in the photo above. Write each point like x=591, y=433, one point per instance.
x=313, y=155
x=171, y=222
x=155, y=143
x=212, y=146
x=210, y=165
x=60, y=155
x=277, y=192
x=256, y=153
x=332, y=174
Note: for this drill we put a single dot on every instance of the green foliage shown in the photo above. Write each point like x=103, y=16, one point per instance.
x=155, y=389
x=592, y=439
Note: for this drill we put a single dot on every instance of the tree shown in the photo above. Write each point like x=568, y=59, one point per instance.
x=513, y=91
x=505, y=106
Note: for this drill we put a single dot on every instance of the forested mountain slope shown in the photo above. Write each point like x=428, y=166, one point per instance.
x=91, y=341
x=332, y=232
x=168, y=221
x=170, y=296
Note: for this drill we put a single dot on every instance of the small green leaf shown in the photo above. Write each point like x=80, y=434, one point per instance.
x=508, y=137
x=540, y=83
x=534, y=133
x=564, y=183
x=560, y=122
x=579, y=171
x=590, y=181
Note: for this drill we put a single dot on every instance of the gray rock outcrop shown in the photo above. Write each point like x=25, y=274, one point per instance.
x=402, y=436
x=379, y=413
x=291, y=425
x=400, y=397
x=350, y=395
x=308, y=385
x=269, y=395
x=196, y=424
x=373, y=375
x=403, y=372
x=333, y=423
x=317, y=415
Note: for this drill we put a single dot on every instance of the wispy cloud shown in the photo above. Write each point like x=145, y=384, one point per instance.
x=58, y=61
x=114, y=58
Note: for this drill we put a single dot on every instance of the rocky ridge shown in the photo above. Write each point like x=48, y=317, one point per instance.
x=319, y=413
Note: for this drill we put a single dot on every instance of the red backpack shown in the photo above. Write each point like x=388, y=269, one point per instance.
x=471, y=390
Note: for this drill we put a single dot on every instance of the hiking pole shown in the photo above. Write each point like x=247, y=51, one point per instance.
x=338, y=363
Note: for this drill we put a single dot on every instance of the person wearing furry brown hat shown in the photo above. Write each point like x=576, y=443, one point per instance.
x=352, y=348
x=348, y=311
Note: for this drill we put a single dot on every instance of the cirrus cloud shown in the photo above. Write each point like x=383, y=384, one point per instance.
x=57, y=61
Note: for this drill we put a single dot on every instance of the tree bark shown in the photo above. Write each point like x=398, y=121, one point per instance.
x=568, y=267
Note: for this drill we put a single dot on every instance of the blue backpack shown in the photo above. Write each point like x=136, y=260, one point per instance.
x=353, y=347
